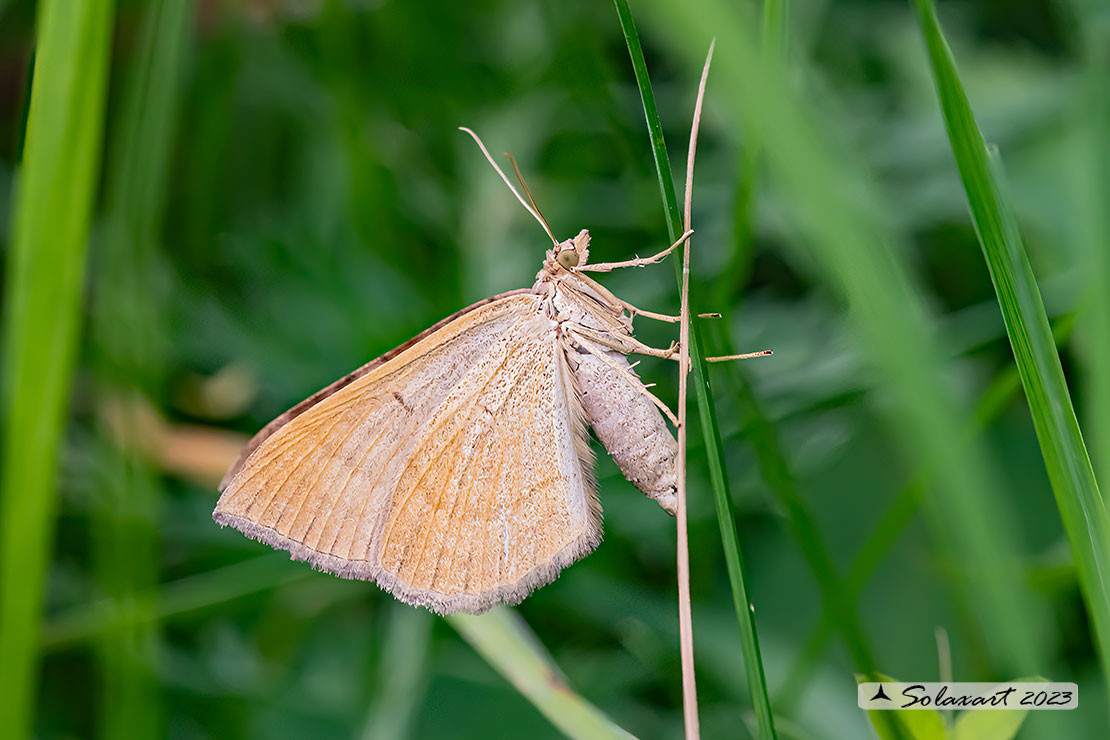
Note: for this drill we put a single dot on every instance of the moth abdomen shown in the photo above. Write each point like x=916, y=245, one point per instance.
x=627, y=422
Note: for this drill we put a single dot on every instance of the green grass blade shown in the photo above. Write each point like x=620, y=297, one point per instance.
x=1069, y=467
x=51, y=227
x=843, y=221
x=129, y=354
x=707, y=412
x=1091, y=22
x=655, y=127
x=506, y=642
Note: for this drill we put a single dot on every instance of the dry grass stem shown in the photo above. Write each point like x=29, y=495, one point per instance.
x=685, y=617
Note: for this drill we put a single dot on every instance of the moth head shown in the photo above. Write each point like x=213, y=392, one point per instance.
x=573, y=252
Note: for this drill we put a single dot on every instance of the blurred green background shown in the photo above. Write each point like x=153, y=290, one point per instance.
x=284, y=195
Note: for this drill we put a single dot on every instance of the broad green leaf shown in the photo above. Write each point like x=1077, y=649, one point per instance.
x=988, y=725
x=992, y=725
x=918, y=724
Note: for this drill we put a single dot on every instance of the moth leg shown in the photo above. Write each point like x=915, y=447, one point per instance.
x=635, y=311
x=634, y=345
x=626, y=375
x=637, y=262
x=745, y=356
x=670, y=353
x=628, y=344
x=649, y=314
x=669, y=318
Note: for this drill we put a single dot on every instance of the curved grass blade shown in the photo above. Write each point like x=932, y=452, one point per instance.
x=774, y=464
x=506, y=642
x=711, y=433
x=51, y=227
x=775, y=468
x=1069, y=467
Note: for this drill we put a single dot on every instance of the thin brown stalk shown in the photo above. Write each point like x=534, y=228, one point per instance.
x=685, y=617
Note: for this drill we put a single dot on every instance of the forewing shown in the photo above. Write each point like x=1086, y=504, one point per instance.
x=455, y=474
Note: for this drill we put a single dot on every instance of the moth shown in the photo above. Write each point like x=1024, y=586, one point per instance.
x=455, y=471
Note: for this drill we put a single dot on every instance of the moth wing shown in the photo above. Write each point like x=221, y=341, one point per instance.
x=455, y=473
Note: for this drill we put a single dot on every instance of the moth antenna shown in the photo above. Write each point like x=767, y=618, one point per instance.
x=493, y=164
x=524, y=185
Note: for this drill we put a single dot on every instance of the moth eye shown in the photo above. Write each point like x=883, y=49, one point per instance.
x=568, y=258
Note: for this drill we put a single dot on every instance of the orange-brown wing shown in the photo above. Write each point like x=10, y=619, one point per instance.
x=455, y=474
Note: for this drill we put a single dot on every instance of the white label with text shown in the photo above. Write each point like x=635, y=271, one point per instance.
x=1016, y=695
